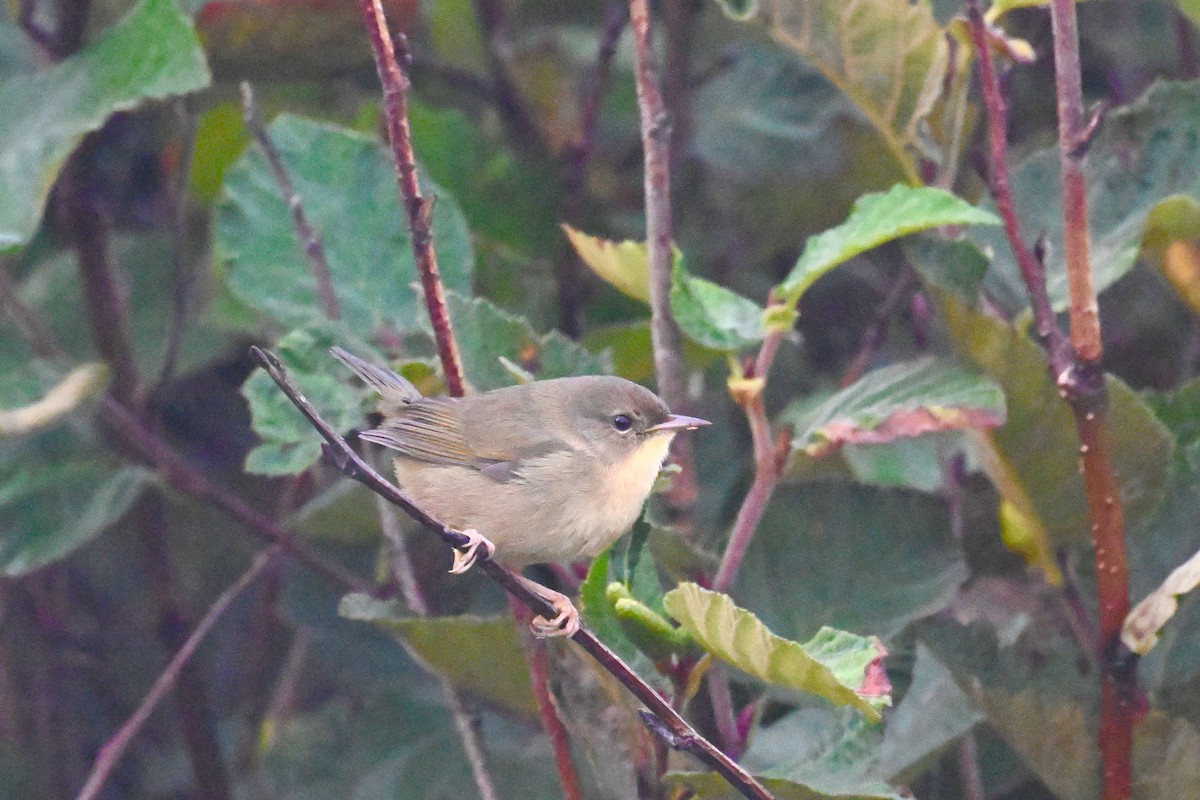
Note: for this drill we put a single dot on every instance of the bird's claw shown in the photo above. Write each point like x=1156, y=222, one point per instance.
x=566, y=623
x=464, y=558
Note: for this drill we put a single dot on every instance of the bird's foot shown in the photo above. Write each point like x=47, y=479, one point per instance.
x=464, y=558
x=566, y=619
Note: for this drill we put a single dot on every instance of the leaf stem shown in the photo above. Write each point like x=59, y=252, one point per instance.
x=354, y=467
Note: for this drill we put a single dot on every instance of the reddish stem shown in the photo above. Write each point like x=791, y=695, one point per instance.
x=418, y=208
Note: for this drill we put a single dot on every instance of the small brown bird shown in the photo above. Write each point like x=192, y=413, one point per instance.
x=544, y=471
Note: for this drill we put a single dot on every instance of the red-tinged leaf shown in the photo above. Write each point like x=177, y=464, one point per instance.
x=901, y=401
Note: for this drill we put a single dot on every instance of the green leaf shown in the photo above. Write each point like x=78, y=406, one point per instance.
x=1038, y=445
x=55, y=498
x=900, y=401
x=485, y=333
x=481, y=655
x=290, y=444
x=835, y=665
x=1144, y=154
x=347, y=185
x=600, y=616
x=933, y=714
x=152, y=53
x=1032, y=692
x=875, y=219
x=890, y=58
x=810, y=754
x=625, y=265
x=894, y=547
x=713, y=315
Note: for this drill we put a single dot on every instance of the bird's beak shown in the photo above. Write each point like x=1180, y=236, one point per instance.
x=678, y=422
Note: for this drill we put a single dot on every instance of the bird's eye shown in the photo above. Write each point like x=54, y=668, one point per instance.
x=622, y=422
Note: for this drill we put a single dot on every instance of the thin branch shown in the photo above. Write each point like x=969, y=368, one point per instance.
x=419, y=209
x=183, y=477
x=769, y=456
x=353, y=466
x=306, y=234
x=112, y=751
x=40, y=339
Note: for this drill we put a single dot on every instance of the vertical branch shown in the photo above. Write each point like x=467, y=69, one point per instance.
x=308, y=236
x=656, y=139
x=1075, y=366
x=418, y=208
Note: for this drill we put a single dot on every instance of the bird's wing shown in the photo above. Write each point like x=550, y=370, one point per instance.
x=431, y=430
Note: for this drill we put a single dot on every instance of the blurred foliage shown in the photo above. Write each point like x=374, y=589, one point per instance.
x=829, y=183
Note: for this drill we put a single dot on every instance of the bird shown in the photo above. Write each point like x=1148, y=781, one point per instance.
x=545, y=471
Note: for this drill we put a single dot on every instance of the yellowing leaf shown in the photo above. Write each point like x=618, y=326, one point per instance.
x=64, y=397
x=842, y=667
x=625, y=265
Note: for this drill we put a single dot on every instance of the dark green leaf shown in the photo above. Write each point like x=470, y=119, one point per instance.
x=849, y=556
x=834, y=664
x=901, y=401
x=480, y=655
x=1038, y=443
x=875, y=219
x=1143, y=154
x=347, y=185
x=485, y=333
x=152, y=53
x=55, y=498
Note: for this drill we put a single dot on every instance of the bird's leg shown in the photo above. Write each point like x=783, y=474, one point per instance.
x=465, y=558
x=566, y=623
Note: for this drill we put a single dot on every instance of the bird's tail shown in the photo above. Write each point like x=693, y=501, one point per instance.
x=391, y=387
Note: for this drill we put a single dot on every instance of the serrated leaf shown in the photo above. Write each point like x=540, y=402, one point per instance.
x=875, y=219
x=900, y=401
x=346, y=183
x=486, y=332
x=714, y=316
x=624, y=265
x=289, y=443
x=151, y=53
x=834, y=664
x=810, y=754
x=889, y=58
x=55, y=498
x=480, y=654
x=1038, y=445
x=1144, y=154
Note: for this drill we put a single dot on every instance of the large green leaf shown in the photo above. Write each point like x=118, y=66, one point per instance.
x=485, y=333
x=889, y=57
x=1144, y=154
x=810, y=754
x=901, y=401
x=347, y=185
x=151, y=53
x=849, y=556
x=56, y=496
x=838, y=666
x=1038, y=444
x=875, y=219
x=478, y=654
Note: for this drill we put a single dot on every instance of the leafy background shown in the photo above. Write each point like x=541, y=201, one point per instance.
x=933, y=507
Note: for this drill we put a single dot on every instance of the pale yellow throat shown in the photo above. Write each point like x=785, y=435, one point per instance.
x=630, y=480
